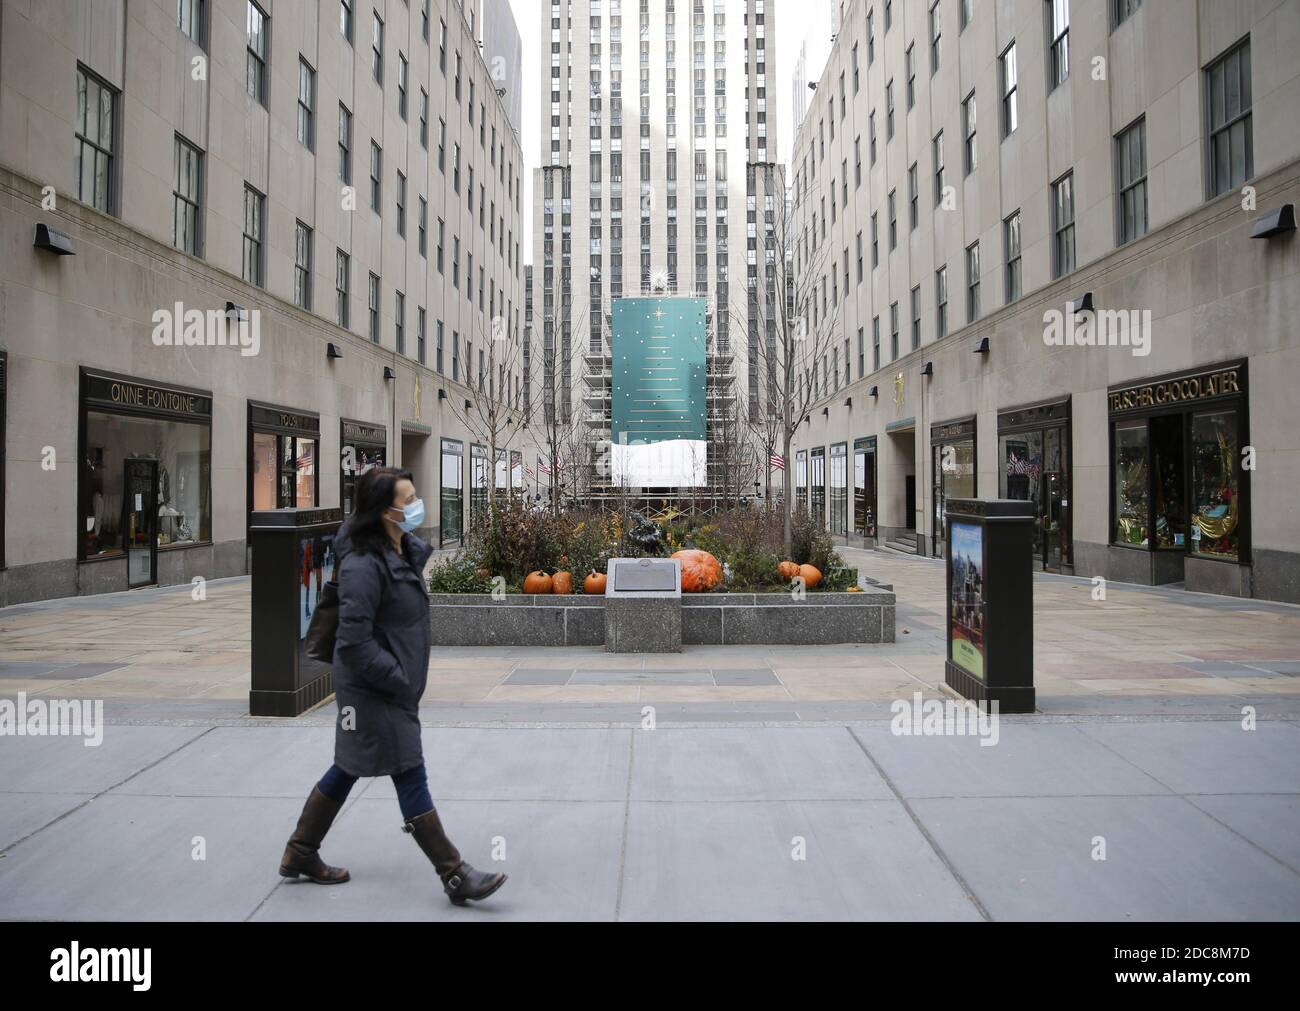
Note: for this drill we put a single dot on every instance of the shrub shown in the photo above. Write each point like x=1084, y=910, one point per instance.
x=457, y=574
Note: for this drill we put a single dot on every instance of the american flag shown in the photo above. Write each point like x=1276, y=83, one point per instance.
x=542, y=467
x=1021, y=466
x=776, y=461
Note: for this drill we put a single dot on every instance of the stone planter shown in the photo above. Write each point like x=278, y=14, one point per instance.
x=733, y=619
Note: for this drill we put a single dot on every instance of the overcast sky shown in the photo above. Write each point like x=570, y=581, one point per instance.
x=531, y=17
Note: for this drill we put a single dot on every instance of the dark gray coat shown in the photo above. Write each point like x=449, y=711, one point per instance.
x=381, y=657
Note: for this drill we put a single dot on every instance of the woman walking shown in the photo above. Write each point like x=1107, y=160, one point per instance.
x=381, y=662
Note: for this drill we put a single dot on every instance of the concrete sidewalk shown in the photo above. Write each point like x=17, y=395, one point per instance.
x=1198, y=820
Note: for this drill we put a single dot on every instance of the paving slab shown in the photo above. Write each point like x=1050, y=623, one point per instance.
x=1270, y=821
x=789, y=860
x=1029, y=760
x=1209, y=757
x=24, y=813
x=751, y=764
x=67, y=765
x=1031, y=858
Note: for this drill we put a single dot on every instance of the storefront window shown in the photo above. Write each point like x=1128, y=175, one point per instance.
x=840, y=489
x=183, y=496
x=282, y=460
x=1170, y=507
x=1132, y=488
x=817, y=483
x=363, y=447
x=478, y=481
x=864, y=488
x=451, y=506
x=953, y=450
x=801, y=480
x=1215, y=492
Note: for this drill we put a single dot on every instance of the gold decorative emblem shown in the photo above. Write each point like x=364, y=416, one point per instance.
x=899, y=384
x=415, y=397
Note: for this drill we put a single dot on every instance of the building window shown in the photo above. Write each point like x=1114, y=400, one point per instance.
x=889, y=110
x=964, y=13
x=1228, y=101
x=254, y=227
x=941, y=303
x=913, y=198
x=442, y=145
x=399, y=323
x=95, y=167
x=402, y=70
x=1063, y=225
x=422, y=228
x=257, y=27
x=372, y=305
x=1010, y=87
x=342, y=280
x=424, y=119
x=437, y=350
x=1131, y=170
x=1059, y=68
x=190, y=18
x=345, y=145
x=442, y=237
x=421, y=334
x=377, y=49
x=893, y=222
x=306, y=105
x=186, y=196
x=346, y=19
x=875, y=239
x=968, y=128
x=916, y=317
x=1122, y=9
x=401, y=205
x=936, y=32
x=376, y=178
x=973, y=283
x=937, y=151
x=875, y=343
x=862, y=353
x=911, y=75
x=1011, y=246
x=302, y=266
x=893, y=331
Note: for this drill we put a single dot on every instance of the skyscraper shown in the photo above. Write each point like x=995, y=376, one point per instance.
x=656, y=148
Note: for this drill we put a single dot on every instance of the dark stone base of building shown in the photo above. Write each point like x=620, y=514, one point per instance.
x=20, y=584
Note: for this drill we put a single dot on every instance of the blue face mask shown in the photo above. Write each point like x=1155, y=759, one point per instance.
x=412, y=516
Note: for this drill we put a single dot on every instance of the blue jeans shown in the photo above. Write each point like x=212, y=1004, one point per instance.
x=412, y=789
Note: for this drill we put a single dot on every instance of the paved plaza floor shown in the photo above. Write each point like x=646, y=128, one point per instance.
x=772, y=784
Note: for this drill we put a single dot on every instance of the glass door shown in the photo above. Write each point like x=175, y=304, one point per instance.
x=1057, y=549
x=140, y=522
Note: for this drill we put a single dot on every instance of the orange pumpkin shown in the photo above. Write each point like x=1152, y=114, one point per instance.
x=537, y=582
x=562, y=584
x=811, y=575
x=594, y=584
x=787, y=571
x=701, y=572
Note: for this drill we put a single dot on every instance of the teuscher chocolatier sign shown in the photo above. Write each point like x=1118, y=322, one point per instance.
x=1224, y=381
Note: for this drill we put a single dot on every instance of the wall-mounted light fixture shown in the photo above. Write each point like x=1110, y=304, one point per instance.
x=928, y=369
x=1081, y=304
x=332, y=350
x=236, y=312
x=849, y=403
x=442, y=394
x=982, y=348
x=468, y=405
x=389, y=374
x=826, y=412
x=874, y=392
x=1278, y=221
x=54, y=241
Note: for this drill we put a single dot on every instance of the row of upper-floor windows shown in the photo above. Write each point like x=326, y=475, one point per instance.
x=1229, y=163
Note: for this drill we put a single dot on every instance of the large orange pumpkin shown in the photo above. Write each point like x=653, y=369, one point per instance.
x=811, y=575
x=562, y=584
x=701, y=572
x=594, y=584
x=537, y=582
x=787, y=571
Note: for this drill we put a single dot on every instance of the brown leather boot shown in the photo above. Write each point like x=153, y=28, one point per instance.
x=301, y=855
x=460, y=881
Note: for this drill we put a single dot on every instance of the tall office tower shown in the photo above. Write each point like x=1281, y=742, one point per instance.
x=656, y=150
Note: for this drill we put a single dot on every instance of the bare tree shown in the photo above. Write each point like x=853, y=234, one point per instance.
x=791, y=352
x=491, y=410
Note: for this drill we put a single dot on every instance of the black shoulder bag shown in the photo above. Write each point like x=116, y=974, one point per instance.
x=324, y=626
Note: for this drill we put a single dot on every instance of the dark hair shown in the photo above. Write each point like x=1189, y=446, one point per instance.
x=376, y=489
